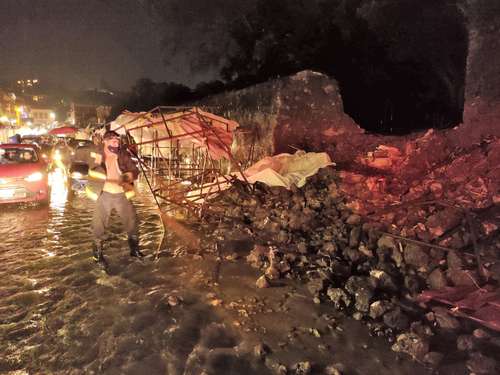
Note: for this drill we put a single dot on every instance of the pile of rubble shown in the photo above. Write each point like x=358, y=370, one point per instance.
x=429, y=166
x=373, y=272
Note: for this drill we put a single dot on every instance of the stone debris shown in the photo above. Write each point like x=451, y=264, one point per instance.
x=262, y=282
x=373, y=270
x=412, y=344
x=481, y=364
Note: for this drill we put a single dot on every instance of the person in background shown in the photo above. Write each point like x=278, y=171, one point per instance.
x=27, y=157
x=16, y=139
x=111, y=175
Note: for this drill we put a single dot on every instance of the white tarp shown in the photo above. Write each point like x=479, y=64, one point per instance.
x=281, y=170
x=287, y=169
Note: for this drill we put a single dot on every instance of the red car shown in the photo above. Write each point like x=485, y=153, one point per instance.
x=23, y=174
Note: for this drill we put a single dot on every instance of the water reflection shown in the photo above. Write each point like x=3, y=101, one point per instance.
x=59, y=190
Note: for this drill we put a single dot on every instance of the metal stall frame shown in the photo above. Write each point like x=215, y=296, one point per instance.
x=178, y=182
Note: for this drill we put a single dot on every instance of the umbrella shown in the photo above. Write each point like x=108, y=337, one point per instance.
x=65, y=130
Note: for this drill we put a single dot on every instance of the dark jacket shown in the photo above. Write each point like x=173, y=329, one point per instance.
x=97, y=169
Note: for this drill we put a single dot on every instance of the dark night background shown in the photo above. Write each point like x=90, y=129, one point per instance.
x=400, y=64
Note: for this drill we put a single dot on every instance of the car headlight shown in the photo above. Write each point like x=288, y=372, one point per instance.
x=76, y=175
x=37, y=176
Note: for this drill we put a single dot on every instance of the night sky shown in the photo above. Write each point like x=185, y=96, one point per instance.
x=78, y=43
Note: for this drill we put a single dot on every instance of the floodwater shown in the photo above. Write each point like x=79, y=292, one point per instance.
x=60, y=314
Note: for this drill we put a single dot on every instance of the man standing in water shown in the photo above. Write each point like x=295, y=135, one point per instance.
x=111, y=175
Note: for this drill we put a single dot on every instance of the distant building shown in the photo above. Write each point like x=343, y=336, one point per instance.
x=7, y=107
x=83, y=115
x=42, y=116
x=24, y=85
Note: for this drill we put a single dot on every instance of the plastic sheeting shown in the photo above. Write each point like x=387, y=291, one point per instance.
x=188, y=126
x=481, y=305
x=286, y=169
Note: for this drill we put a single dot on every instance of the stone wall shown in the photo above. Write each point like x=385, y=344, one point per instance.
x=303, y=111
x=482, y=86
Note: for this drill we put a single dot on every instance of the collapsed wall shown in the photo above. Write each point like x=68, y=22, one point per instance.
x=303, y=111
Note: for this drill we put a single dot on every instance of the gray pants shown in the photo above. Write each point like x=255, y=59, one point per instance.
x=124, y=208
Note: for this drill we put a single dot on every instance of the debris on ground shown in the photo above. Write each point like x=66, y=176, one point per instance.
x=393, y=262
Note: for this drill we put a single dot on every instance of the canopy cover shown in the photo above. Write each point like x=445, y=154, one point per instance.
x=188, y=126
x=64, y=130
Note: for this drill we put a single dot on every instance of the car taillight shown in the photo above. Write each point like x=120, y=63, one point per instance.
x=37, y=176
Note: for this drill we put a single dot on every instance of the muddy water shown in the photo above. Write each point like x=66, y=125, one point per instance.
x=59, y=314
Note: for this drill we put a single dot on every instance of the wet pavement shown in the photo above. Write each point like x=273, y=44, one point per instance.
x=59, y=314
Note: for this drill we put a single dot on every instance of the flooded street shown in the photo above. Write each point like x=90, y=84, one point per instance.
x=59, y=314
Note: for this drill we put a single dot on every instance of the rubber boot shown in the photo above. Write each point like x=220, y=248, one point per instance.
x=98, y=254
x=133, y=244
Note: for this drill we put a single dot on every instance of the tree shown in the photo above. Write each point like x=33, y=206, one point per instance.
x=147, y=94
x=399, y=64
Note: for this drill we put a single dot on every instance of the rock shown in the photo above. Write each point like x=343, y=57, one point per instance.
x=262, y=282
x=362, y=290
x=480, y=364
x=281, y=370
x=354, y=236
x=445, y=320
x=412, y=283
x=261, y=350
x=329, y=247
x=454, y=261
x=383, y=280
x=272, y=273
x=341, y=269
x=466, y=342
x=481, y=334
x=357, y=316
x=316, y=286
x=335, y=369
x=283, y=267
x=379, y=308
x=397, y=257
x=283, y=237
x=353, y=219
x=421, y=329
x=352, y=254
x=437, y=279
x=302, y=248
x=255, y=258
x=216, y=302
x=412, y=344
x=442, y=221
x=173, y=300
x=462, y=277
x=302, y=368
x=339, y=297
x=396, y=319
x=386, y=242
x=416, y=256
x=363, y=249
x=433, y=359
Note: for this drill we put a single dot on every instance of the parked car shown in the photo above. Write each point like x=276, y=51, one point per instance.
x=23, y=174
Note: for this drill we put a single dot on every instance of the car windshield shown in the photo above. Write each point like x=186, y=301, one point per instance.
x=18, y=155
x=79, y=143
